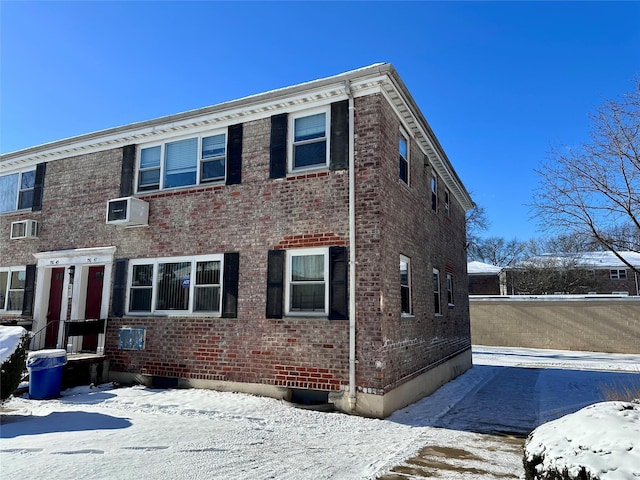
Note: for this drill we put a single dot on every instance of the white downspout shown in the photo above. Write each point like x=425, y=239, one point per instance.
x=352, y=254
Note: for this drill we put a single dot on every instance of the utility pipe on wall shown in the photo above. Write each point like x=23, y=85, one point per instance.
x=352, y=254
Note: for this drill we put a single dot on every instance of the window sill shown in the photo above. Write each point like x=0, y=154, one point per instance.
x=173, y=190
x=322, y=171
x=306, y=315
x=172, y=314
x=407, y=315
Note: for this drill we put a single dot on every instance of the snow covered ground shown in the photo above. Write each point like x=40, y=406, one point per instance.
x=140, y=433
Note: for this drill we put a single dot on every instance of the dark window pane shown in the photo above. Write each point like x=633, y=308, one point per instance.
x=208, y=273
x=25, y=199
x=406, y=299
x=310, y=154
x=173, y=286
x=404, y=176
x=142, y=275
x=179, y=179
x=140, y=300
x=212, y=170
x=307, y=297
x=207, y=299
x=28, y=180
x=149, y=178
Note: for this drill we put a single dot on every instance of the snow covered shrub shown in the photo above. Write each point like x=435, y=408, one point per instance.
x=14, y=354
x=599, y=442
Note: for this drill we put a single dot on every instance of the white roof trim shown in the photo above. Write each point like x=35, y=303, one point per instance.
x=379, y=77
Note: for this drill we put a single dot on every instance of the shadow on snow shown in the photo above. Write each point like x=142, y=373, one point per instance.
x=513, y=400
x=60, y=422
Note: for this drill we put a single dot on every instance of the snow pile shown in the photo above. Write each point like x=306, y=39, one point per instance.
x=601, y=441
x=10, y=338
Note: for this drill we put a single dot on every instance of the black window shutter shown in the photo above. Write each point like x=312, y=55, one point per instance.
x=275, y=283
x=339, y=135
x=119, y=287
x=234, y=155
x=126, y=174
x=338, y=291
x=278, y=146
x=230, y=285
x=38, y=187
x=29, y=290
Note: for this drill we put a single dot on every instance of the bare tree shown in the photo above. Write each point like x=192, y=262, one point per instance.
x=497, y=251
x=477, y=222
x=594, y=190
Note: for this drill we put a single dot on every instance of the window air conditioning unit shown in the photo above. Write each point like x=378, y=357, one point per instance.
x=127, y=211
x=24, y=229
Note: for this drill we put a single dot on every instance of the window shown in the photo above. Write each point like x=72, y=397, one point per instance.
x=449, y=289
x=12, y=283
x=183, y=162
x=16, y=191
x=309, y=146
x=618, y=274
x=404, y=159
x=185, y=284
x=307, y=286
x=436, y=292
x=447, y=199
x=405, y=285
x=434, y=193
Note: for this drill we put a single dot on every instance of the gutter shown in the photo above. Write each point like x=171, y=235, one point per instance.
x=352, y=253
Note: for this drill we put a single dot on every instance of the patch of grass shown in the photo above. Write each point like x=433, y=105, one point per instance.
x=623, y=393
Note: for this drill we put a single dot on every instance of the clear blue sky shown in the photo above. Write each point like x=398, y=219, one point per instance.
x=499, y=82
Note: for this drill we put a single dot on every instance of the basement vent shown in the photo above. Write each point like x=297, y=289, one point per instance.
x=131, y=338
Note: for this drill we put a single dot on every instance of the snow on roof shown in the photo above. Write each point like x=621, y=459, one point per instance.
x=10, y=338
x=479, y=268
x=585, y=259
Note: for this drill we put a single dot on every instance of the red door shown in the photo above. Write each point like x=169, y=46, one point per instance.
x=94, y=303
x=55, y=304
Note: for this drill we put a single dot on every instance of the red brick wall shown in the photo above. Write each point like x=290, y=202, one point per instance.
x=405, y=345
x=263, y=214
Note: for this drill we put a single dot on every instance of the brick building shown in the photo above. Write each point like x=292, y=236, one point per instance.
x=589, y=272
x=216, y=247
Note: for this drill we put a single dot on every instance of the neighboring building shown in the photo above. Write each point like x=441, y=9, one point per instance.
x=586, y=272
x=484, y=279
x=216, y=246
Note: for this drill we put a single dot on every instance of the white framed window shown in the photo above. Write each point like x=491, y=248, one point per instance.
x=307, y=286
x=403, y=151
x=186, y=285
x=16, y=190
x=405, y=285
x=182, y=162
x=450, y=301
x=618, y=274
x=12, y=283
x=309, y=142
x=434, y=192
x=437, y=307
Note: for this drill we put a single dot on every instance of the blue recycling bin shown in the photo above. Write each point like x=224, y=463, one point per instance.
x=45, y=373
